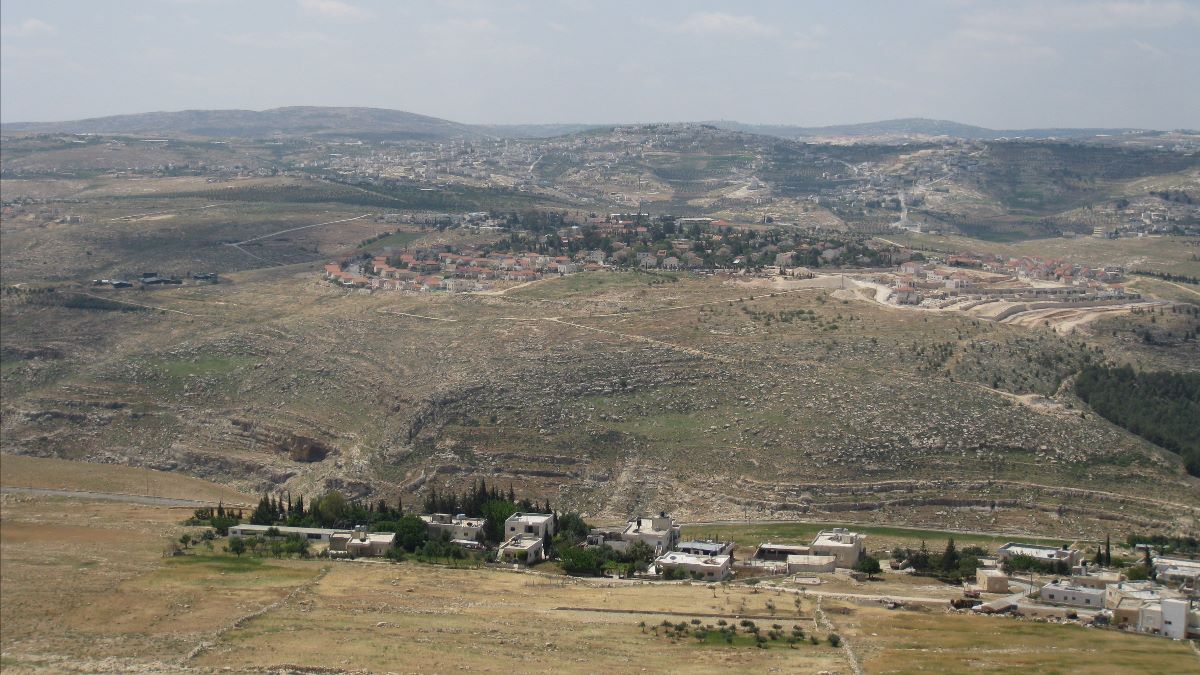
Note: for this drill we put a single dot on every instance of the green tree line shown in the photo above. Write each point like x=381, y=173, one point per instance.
x=1161, y=407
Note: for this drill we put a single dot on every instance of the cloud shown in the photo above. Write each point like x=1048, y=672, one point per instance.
x=720, y=24
x=809, y=40
x=333, y=9
x=1150, y=49
x=1088, y=16
x=281, y=40
x=29, y=28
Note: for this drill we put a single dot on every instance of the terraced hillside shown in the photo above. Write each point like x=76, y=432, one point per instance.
x=607, y=392
x=610, y=392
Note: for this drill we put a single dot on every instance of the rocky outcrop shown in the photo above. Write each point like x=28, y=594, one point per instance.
x=298, y=447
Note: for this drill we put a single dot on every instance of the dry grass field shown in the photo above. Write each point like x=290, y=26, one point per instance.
x=86, y=589
x=47, y=472
x=1163, y=254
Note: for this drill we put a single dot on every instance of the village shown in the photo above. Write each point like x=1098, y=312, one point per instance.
x=990, y=287
x=1149, y=591
x=965, y=281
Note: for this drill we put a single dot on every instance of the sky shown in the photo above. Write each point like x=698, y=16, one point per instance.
x=1004, y=65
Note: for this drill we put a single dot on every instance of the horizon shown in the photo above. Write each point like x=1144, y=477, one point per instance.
x=587, y=123
x=1116, y=64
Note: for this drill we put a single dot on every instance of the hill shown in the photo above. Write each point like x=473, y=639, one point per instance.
x=289, y=121
x=916, y=127
x=383, y=124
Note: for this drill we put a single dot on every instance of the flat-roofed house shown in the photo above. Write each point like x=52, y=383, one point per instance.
x=524, y=548
x=1063, y=592
x=778, y=552
x=361, y=543
x=310, y=533
x=1127, y=598
x=1174, y=570
x=459, y=527
x=841, y=543
x=1099, y=579
x=705, y=547
x=709, y=568
x=659, y=532
x=540, y=525
x=991, y=580
x=1042, y=554
x=1169, y=617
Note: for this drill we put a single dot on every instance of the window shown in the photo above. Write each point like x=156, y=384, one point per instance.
x=313, y=536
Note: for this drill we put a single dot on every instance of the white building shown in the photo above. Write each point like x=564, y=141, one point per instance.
x=778, y=552
x=709, y=568
x=525, y=548
x=1043, y=554
x=1173, y=570
x=840, y=543
x=1169, y=617
x=705, y=547
x=460, y=528
x=659, y=532
x=540, y=525
x=991, y=581
x=310, y=533
x=1063, y=592
x=362, y=543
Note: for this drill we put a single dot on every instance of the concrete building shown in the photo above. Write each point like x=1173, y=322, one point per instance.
x=818, y=564
x=659, y=532
x=310, y=533
x=461, y=529
x=1096, y=579
x=540, y=525
x=524, y=548
x=709, y=568
x=778, y=552
x=1127, y=598
x=1177, y=571
x=840, y=543
x=991, y=581
x=705, y=547
x=1063, y=592
x=1168, y=617
x=361, y=543
x=1043, y=554
x=358, y=542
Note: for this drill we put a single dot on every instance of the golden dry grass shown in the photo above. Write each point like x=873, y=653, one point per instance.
x=85, y=587
x=45, y=472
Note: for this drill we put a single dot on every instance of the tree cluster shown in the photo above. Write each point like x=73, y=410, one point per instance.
x=1161, y=407
x=951, y=565
x=220, y=518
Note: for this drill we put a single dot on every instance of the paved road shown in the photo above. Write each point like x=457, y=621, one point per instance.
x=108, y=496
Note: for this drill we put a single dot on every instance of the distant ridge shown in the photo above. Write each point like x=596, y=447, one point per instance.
x=914, y=126
x=290, y=121
x=385, y=124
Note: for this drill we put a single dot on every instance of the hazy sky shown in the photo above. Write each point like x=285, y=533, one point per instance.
x=998, y=64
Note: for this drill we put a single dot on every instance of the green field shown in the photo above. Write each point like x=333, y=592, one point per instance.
x=878, y=536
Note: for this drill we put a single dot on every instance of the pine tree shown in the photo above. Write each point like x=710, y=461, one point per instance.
x=1107, y=551
x=950, y=556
